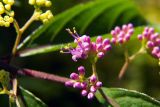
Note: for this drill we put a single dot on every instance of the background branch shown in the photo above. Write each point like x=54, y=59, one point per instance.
x=33, y=73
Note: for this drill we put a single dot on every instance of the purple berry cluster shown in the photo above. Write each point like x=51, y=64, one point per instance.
x=86, y=48
x=88, y=86
x=122, y=35
x=152, y=40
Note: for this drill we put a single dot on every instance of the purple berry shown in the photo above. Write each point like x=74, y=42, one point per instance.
x=90, y=96
x=100, y=54
x=99, y=84
x=74, y=76
x=84, y=92
x=81, y=70
x=93, y=79
x=77, y=85
x=93, y=89
x=99, y=39
x=69, y=83
x=83, y=85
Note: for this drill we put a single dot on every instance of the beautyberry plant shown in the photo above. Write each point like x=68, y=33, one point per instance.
x=84, y=47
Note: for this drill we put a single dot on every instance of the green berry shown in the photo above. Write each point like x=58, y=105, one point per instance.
x=7, y=7
x=6, y=24
x=48, y=3
x=32, y=2
x=2, y=10
x=11, y=2
x=40, y=2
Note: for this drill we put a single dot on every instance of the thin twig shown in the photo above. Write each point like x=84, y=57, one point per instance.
x=123, y=69
x=109, y=100
x=129, y=60
x=28, y=23
x=125, y=66
x=43, y=75
x=18, y=38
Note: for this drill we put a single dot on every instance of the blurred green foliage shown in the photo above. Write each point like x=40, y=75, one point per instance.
x=142, y=75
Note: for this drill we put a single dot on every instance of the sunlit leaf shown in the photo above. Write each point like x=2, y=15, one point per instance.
x=95, y=17
x=127, y=98
x=52, y=48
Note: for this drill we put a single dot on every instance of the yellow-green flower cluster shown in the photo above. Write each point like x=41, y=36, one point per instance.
x=6, y=14
x=39, y=14
x=41, y=3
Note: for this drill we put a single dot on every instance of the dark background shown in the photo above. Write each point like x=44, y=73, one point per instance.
x=142, y=75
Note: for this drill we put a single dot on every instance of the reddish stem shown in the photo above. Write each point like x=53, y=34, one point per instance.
x=123, y=70
x=42, y=75
x=32, y=73
x=109, y=100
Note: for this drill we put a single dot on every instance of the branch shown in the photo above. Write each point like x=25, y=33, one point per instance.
x=109, y=100
x=33, y=73
x=43, y=75
x=128, y=60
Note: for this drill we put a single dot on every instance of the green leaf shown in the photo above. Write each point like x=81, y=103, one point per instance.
x=52, y=48
x=127, y=98
x=30, y=100
x=95, y=17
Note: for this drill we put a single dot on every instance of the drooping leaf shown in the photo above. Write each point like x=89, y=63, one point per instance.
x=127, y=98
x=96, y=17
x=31, y=100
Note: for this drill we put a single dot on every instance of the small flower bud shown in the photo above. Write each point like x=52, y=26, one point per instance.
x=11, y=13
x=113, y=33
x=69, y=83
x=74, y=76
x=93, y=89
x=99, y=39
x=77, y=85
x=48, y=3
x=11, y=2
x=117, y=29
x=150, y=44
x=100, y=54
x=8, y=7
x=99, y=84
x=140, y=37
x=124, y=27
x=130, y=26
x=40, y=2
x=84, y=92
x=32, y=2
x=2, y=9
x=99, y=46
x=106, y=42
x=83, y=85
x=90, y=96
x=113, y=40
x=93, y=79
x=107, y=48
x=81, y=70
x=6, y=24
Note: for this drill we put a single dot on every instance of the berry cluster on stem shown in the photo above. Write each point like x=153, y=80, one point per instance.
x=39, y=14
x=88, y=86
x=151, y=40
x=86, y=48
x=122, y=35
x=6, y=13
